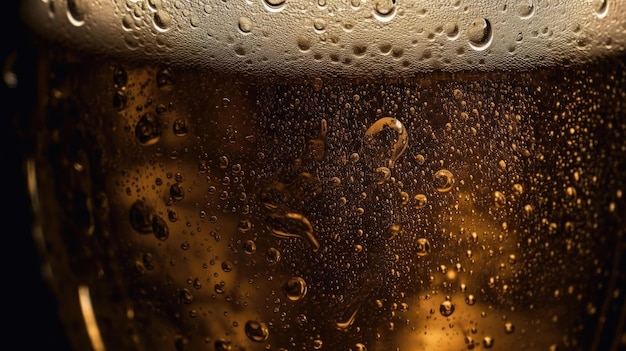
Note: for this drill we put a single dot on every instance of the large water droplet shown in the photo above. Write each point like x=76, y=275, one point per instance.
x=76, y=12
x=245, y=24
x=256, y=331
x=601, y=7
x=148, y=129
x=385, y=141
x=525, y=8
x=446, y=308
x=162, y=21
x=295, y=288
x=480, y=34
x=274, y=5
x=444, y=180
x=141, y=217
x=384, y=10
x=293, y=225
x=423, y=247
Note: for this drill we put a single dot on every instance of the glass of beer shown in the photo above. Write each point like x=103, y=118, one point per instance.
x=294, y=175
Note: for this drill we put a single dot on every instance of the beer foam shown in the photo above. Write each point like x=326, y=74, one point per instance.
x=347, y=38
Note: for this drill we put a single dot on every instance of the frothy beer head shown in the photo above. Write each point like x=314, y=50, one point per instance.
x=339, y=38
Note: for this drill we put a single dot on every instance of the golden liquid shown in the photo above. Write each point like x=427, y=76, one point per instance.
x=444, y=212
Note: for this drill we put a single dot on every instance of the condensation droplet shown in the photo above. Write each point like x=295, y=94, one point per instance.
x=452, y=30
x=76, y=12
x=385, y=141
x=148, y=129
x=180, y=128
x=444, y=180
x=274, y=5
x=295, y=288
x=525, y=8
x=601, y=7
x=446, y=308
x=273, y=255
x=222, y=345
x=304, y=43
x=162, y=21
x=245, y=24
x=480, y=34
x=470, y=299
x=423, y=247
x=293, y=225
x=420, y=201
x=509, y=328
x=141, y=216
x=488, y=342
x=256, y=331
x=384, y=10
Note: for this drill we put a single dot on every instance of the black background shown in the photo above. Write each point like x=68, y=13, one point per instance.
x=30, y=311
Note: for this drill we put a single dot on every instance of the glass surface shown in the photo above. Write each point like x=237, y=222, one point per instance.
x=295, y=175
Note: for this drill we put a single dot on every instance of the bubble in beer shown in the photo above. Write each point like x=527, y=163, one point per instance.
x=76, y=12
x=480, y=34
x=293, y=225
x=444, y=180
x=384, y=10
x=245, y=24
x=423, y=247
x=256, y=331
x=385, y=141
x=446, y=308
x=148, y=129
x=295, y=288
x=525, y=8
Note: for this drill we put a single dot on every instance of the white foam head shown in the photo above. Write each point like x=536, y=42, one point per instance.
x=350, y=38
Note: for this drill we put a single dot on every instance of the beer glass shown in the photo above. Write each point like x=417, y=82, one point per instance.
x=331, y=175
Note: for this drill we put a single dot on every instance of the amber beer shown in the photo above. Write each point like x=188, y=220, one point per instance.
x=354, y=175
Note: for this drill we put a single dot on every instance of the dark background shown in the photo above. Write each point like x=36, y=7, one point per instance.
x=30, y=311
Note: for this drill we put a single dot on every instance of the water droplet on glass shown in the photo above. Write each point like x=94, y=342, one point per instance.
x=162, y=21
x=274, y=5
x=180, y=127
x=452, y=30
x=186, y=297
x=76, y=12
x=148, y=129
x=304, y=43
x=444, y=180
x=382, y=174
x=446, y=308
x=384, y=10
x=420, y=201
x=319, y=24
x=385, y=141
x=245, y=24
x=293, y=225
x=423, y=247
x=509, y=328
x=480, y=34
x=470, y=299
x=222, y=345
x=488, y=342
x=160, y=229
x=256, y=331
x=141, y=217
x=525, y=8
x=601, y=7
x=273, y=255
x=295, y=288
